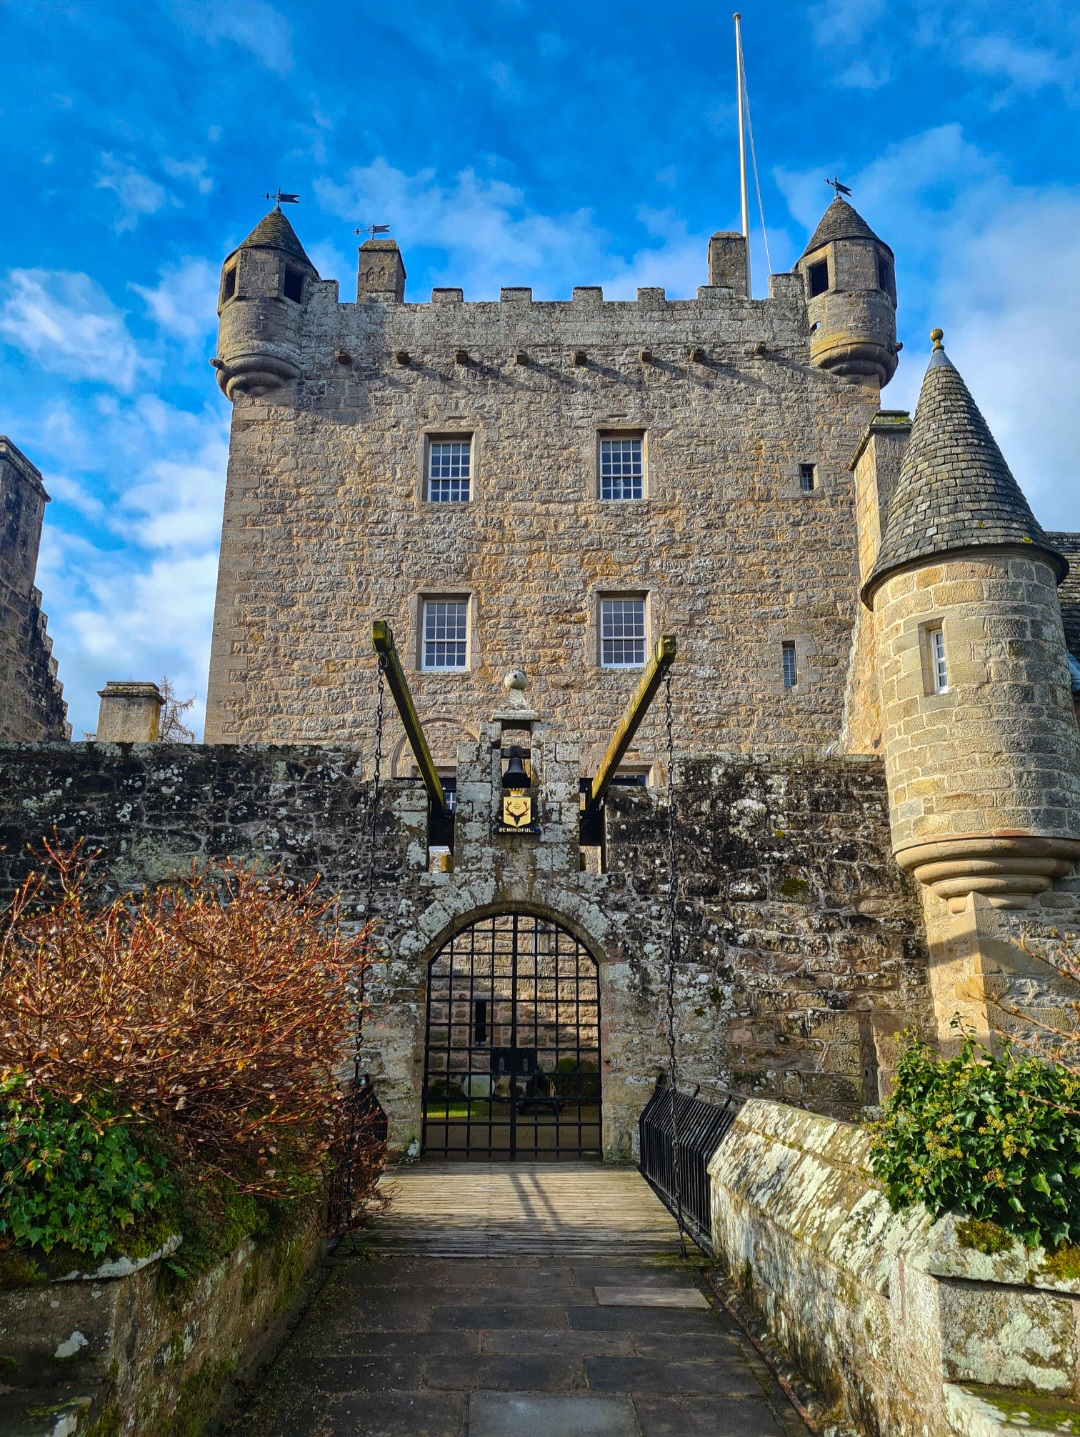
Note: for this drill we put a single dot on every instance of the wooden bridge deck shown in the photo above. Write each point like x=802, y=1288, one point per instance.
x=457, y=1209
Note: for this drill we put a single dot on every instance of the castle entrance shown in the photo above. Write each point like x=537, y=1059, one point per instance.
x=512, y=1053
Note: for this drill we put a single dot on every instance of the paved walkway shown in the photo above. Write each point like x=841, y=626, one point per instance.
x=538, y=1300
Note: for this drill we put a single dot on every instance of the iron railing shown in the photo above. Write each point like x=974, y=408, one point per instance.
x=702, y=1127
x=358, y=1156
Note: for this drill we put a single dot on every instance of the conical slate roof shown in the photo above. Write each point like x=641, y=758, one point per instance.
x=955, y=490
x=840, y=221
x=275, y=232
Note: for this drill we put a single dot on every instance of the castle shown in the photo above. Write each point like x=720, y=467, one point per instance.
x=876, y=754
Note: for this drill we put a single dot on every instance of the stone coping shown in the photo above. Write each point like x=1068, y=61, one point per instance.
x=811, y=1175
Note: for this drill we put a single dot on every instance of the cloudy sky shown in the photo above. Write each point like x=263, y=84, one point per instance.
x=507, y=142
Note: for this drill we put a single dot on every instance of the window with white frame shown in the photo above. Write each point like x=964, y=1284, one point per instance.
x=449, y=470
x=622, y=633
x=939, y=668
x=622, y=467
x=790, y=662
x=446, y=634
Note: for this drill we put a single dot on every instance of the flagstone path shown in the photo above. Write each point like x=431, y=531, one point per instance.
x=533, y=1300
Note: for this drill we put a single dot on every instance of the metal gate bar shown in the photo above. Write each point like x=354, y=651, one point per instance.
x=512, y=1057
x=702, y=1128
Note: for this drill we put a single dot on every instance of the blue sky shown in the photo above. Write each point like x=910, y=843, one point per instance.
x=507, y=142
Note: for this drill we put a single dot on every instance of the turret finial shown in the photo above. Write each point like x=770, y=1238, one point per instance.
x=937, y=335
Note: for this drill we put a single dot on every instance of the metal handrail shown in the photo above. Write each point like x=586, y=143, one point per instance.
x=702, y=1127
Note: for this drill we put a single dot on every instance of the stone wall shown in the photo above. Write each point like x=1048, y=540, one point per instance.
x=326, y=526
x=114, y=1349
x=801, y=950
x=900, y=1321
x=31, y=698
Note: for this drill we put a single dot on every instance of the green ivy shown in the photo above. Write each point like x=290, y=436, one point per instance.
x=994, y=1138
x=71, y=1175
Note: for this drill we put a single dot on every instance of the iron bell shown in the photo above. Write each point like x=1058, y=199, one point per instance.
x=515, y=776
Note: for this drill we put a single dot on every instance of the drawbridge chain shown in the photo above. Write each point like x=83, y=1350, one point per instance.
x=673, y=954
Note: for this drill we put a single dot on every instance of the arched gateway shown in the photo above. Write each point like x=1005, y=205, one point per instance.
x=512, y=1052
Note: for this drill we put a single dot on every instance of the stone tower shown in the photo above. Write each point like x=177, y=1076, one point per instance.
x=981, y=743
x=851, y=297
x=543, y=472
x=261, y=302
x=32, y=707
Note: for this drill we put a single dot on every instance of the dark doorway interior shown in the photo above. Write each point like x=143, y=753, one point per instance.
x=512, y=1058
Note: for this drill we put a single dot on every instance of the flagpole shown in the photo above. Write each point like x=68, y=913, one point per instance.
x=741, y=79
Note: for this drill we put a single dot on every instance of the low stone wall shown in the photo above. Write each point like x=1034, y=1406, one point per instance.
x=116, y=1350
x=909, y=1331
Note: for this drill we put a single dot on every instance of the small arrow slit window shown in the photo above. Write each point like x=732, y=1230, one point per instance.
x=790, y=663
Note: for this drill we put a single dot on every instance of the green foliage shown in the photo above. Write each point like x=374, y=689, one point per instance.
x=199, y=1395
x=995, y=1138
x=18, y=1270
x=212, y=1219
x=71, y=1174
x=108, y=1424
x=576, y=1082
x=1065, y=1263
x=982, y=1236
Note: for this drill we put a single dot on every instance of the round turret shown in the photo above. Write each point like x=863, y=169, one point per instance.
x=982, y=750
x=851, y=297
x=264, y=286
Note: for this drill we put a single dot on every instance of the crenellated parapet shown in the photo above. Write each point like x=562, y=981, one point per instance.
x=268, y=342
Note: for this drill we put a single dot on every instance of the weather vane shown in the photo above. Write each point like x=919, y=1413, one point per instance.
x=372, y=230
x=282, y=199
x=837, y=186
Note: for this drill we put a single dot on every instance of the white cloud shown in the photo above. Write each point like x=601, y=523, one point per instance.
x=194, y=171
x=1026, y=49
x=252, y=24
x=129, y=574
x=184, y=301
x=138, y=194
x=114, y=621
x=176, y=503
x=490, y=236
x=849, y=35
x=992, y=263
x=69, y=325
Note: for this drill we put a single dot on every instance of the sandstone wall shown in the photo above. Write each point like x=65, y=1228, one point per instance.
x=999, y=752
x=326, y=527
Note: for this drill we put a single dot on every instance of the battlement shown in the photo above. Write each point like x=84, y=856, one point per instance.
x=587, y=331
x=785, y=306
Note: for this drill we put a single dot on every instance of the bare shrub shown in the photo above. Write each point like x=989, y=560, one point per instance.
x=218, y=1010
